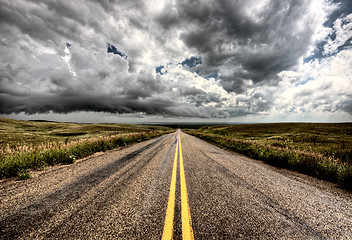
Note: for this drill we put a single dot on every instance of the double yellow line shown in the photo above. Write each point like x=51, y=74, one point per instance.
x=187, y=231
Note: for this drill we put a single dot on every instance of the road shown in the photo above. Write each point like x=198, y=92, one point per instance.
x=149, y=190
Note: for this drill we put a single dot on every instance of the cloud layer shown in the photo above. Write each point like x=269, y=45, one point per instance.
x=199, y=59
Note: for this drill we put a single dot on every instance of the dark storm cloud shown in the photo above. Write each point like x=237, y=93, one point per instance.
x=198, y=96
x=67, y=104
x=241, y=45
x=121, y=104
x=347, y=105
x=40, y=75
x=44, y=21
x=203, y=99
x=52, y=22
x=134, y=96
x=145, y=86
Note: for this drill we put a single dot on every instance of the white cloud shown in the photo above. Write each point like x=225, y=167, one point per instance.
x=343, y=33
x=322, y=85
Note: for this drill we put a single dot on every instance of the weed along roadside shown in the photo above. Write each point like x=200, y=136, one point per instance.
x=327, y=161
x=20, y=159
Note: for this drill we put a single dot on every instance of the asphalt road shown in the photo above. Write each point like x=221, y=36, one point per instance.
x=125, y=194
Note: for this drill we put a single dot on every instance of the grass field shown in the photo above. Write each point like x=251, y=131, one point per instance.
x=26, y=145
x=323, y=150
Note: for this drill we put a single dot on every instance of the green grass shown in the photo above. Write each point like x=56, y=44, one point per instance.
x=23, y=175
x=31, y=133
x=27, y=145
x=320, y=150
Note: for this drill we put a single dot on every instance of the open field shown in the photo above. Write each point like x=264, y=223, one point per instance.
x=28, y=145
x=323, y=150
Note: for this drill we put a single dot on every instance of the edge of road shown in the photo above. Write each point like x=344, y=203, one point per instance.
x=301, y=177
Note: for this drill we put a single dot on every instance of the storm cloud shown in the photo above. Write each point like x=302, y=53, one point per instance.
x=247, y=41
x=199, y=59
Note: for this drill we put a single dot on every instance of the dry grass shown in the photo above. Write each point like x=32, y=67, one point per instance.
x=14, y=149
x=29, y=145
x=320, y=150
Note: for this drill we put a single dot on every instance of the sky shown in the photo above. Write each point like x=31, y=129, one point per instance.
x=176, y=60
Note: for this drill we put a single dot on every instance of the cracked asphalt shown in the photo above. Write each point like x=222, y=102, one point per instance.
x=123, y=194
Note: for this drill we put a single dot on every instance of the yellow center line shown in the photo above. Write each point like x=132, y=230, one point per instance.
x=169, y=219
x=187, y=231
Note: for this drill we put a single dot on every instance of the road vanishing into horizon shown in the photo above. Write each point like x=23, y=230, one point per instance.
x=172, y=187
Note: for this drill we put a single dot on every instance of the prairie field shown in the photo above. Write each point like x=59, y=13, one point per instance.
x=323, y=150
x=26, y=145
